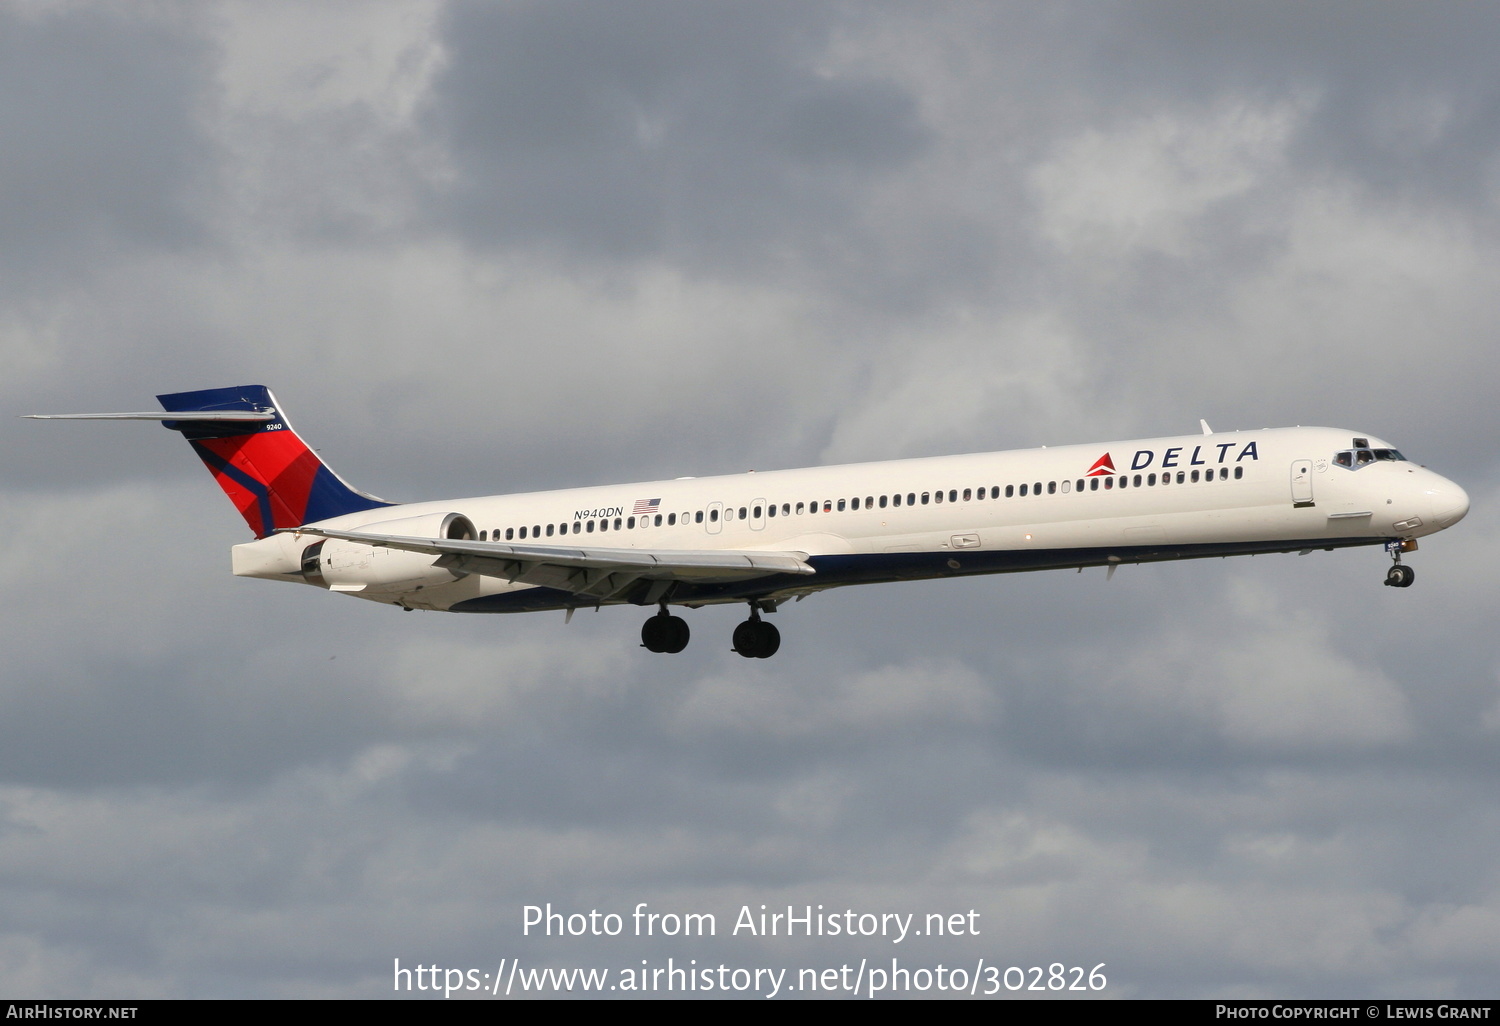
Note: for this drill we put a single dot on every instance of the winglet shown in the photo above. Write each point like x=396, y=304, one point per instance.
x=1206, y=429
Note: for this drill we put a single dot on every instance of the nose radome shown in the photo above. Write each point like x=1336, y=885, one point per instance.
x=1450, y=504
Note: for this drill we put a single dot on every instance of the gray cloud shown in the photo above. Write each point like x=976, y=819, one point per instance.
x=101, y=148
x=481, y=248
x=668, y=130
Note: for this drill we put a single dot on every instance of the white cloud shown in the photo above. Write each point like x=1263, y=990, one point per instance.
x=1146, y=185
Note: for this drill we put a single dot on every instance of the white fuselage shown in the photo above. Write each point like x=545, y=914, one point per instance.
x=1077, y=505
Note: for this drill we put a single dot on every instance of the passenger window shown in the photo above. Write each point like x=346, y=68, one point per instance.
x=882, y=502
x=953, y=495
x=510, y=533
x=1023, y=490
x=713, y=516
x=911, y=498
x=770, y=510
x=672, y=519
x=938, y=498
x=869, y=501
x=1093, y=484
x=550, y=528
x=589, y=527
x=926, y=498
x=1067, y=487
x=742, y=512
x=841, y=505
x=799, y=509
x=1010, y=491
x=827, y=505
x=1051, y=487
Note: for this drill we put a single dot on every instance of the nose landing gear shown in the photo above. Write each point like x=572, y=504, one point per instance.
x=1399, y=575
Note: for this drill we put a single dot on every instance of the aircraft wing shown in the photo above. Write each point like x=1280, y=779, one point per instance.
x=586, y=572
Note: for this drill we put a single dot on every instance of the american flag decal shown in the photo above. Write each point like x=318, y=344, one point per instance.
x=646, y=506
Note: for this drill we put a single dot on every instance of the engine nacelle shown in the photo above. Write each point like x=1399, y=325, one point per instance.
x=350, y=566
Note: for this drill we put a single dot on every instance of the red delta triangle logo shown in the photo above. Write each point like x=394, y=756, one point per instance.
x=1103, y=467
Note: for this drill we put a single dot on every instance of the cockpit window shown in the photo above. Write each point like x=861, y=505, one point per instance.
x=1354, y=459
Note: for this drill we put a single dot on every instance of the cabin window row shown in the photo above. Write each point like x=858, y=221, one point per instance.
x=583, y=527
x=894, y=501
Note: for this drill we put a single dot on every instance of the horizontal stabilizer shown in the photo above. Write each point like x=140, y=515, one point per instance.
x=252, y=416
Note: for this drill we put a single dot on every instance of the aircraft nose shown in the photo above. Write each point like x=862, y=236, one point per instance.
x=1450, y=504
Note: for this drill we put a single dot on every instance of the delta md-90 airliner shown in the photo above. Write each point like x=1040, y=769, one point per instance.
x=765, y=538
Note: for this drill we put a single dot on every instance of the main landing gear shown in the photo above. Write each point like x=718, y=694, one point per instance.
x=665, y=632
x=1399, y=575
x=753, y=639
x=756, y=639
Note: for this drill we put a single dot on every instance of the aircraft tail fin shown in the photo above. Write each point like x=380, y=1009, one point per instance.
x=265, y=468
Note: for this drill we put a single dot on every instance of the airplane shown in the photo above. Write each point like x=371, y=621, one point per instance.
x=764, y=539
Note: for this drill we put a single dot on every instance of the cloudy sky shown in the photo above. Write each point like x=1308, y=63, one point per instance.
x=486, y=247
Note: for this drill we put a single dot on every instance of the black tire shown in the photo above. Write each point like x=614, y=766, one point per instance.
x=756, y=639
x=664, y=633
x=747, y=639
x=677, y=635
x=651, y=635
x=770, y=640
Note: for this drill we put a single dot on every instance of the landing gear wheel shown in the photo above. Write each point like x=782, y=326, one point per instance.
x=665, y=633
x=756, y=639
x=1400, y=576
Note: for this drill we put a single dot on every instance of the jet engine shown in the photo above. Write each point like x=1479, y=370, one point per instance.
x=341, y=565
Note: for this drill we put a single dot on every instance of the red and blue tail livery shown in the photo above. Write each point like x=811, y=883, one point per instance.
x=268, y=472
x=765, y=539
